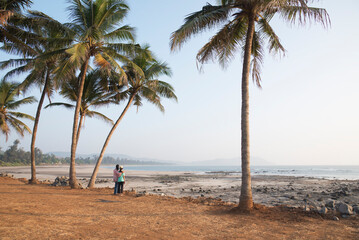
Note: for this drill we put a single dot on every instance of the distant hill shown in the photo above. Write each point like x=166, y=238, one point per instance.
x=255, y=161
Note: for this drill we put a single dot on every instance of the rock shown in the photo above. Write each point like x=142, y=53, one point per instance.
x=162, y=194
x=356, y=209
x=330, y=204
x=320, y=199
x=335, y=218
x=202, y=195
x=345, y=209
x=345, y=216
x=293, y=198
x=323, y=210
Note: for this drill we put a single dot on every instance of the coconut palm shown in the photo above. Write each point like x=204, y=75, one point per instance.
x=48, y=35
x=9, y=7
x=145, y=86
x=94, y=95
x=244, y=24
x=8, y=103
x=10, y=17
x=98, y=36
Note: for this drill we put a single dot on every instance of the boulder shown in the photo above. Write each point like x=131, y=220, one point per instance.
x=330, y=204
x=345, y=209
x=323, y=210
x=356, y=209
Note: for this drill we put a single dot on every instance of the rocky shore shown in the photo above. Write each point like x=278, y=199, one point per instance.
x=335, y=197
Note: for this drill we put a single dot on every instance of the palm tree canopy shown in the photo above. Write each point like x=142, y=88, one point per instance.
x=8, y=103
x=147, y=85
x=97, y=34
x=9, y=7
x=95, y=94
x=48, y=36
x=232, y=18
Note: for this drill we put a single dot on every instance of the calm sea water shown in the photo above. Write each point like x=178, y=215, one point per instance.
x=328, y=172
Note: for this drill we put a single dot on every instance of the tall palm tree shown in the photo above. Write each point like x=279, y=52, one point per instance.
x=94, y=95
x=244, y=24
x=8, y=103
x=98, y=36
x=145, y=86
x=48, y=35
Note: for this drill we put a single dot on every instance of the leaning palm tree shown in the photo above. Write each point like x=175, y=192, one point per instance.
x=145, y=86
x=244, y=24
x=98, y=36
x=94, y=95
x=48, y=35
x=8, y=103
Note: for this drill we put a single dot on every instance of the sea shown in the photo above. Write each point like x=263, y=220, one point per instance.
x=326, y=172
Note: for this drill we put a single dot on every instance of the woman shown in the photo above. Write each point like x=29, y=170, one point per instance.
x=121, y=180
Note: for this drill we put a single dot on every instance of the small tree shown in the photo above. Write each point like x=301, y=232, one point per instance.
x=8, y=102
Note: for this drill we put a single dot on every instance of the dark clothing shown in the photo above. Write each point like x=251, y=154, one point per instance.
x=120, y=187
x=117, y=188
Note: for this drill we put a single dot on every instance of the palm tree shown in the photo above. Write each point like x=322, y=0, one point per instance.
x=10, y=17
x=244, y=24
x=94, y=95
x=9, y=7
x=97, y=35
x=8, y=102
x=48, y=35
x=145, y=86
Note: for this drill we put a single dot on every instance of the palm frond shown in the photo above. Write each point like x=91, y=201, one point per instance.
x=197, y=22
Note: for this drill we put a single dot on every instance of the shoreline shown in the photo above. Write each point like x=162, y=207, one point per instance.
x=269, y=190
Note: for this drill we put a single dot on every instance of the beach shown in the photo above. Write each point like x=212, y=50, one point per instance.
x=268, y=190
x=46, y=212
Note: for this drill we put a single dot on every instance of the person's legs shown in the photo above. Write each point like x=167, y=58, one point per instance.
x=121, y=187
x=116, y=188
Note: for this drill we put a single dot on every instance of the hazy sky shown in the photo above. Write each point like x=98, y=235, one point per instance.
x=306, y=113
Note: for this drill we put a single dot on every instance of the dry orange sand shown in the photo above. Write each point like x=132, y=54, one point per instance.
x=45, y=212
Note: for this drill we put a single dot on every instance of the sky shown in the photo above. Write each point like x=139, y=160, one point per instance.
x=305, y=114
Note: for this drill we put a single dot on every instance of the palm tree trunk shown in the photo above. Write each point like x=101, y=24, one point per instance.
x=246, y=201
x=79, y=128
x=98, y=163
x=73, y=180
x=33, y=179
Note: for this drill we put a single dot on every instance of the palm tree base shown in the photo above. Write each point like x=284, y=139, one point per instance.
x=75, y=185
x=34, y=181
x=245, y=206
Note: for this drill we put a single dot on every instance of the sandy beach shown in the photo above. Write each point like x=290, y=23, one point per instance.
x=47, y=212
x=267, y=190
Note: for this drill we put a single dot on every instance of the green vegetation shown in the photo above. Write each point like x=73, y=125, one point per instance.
x=15, y=156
